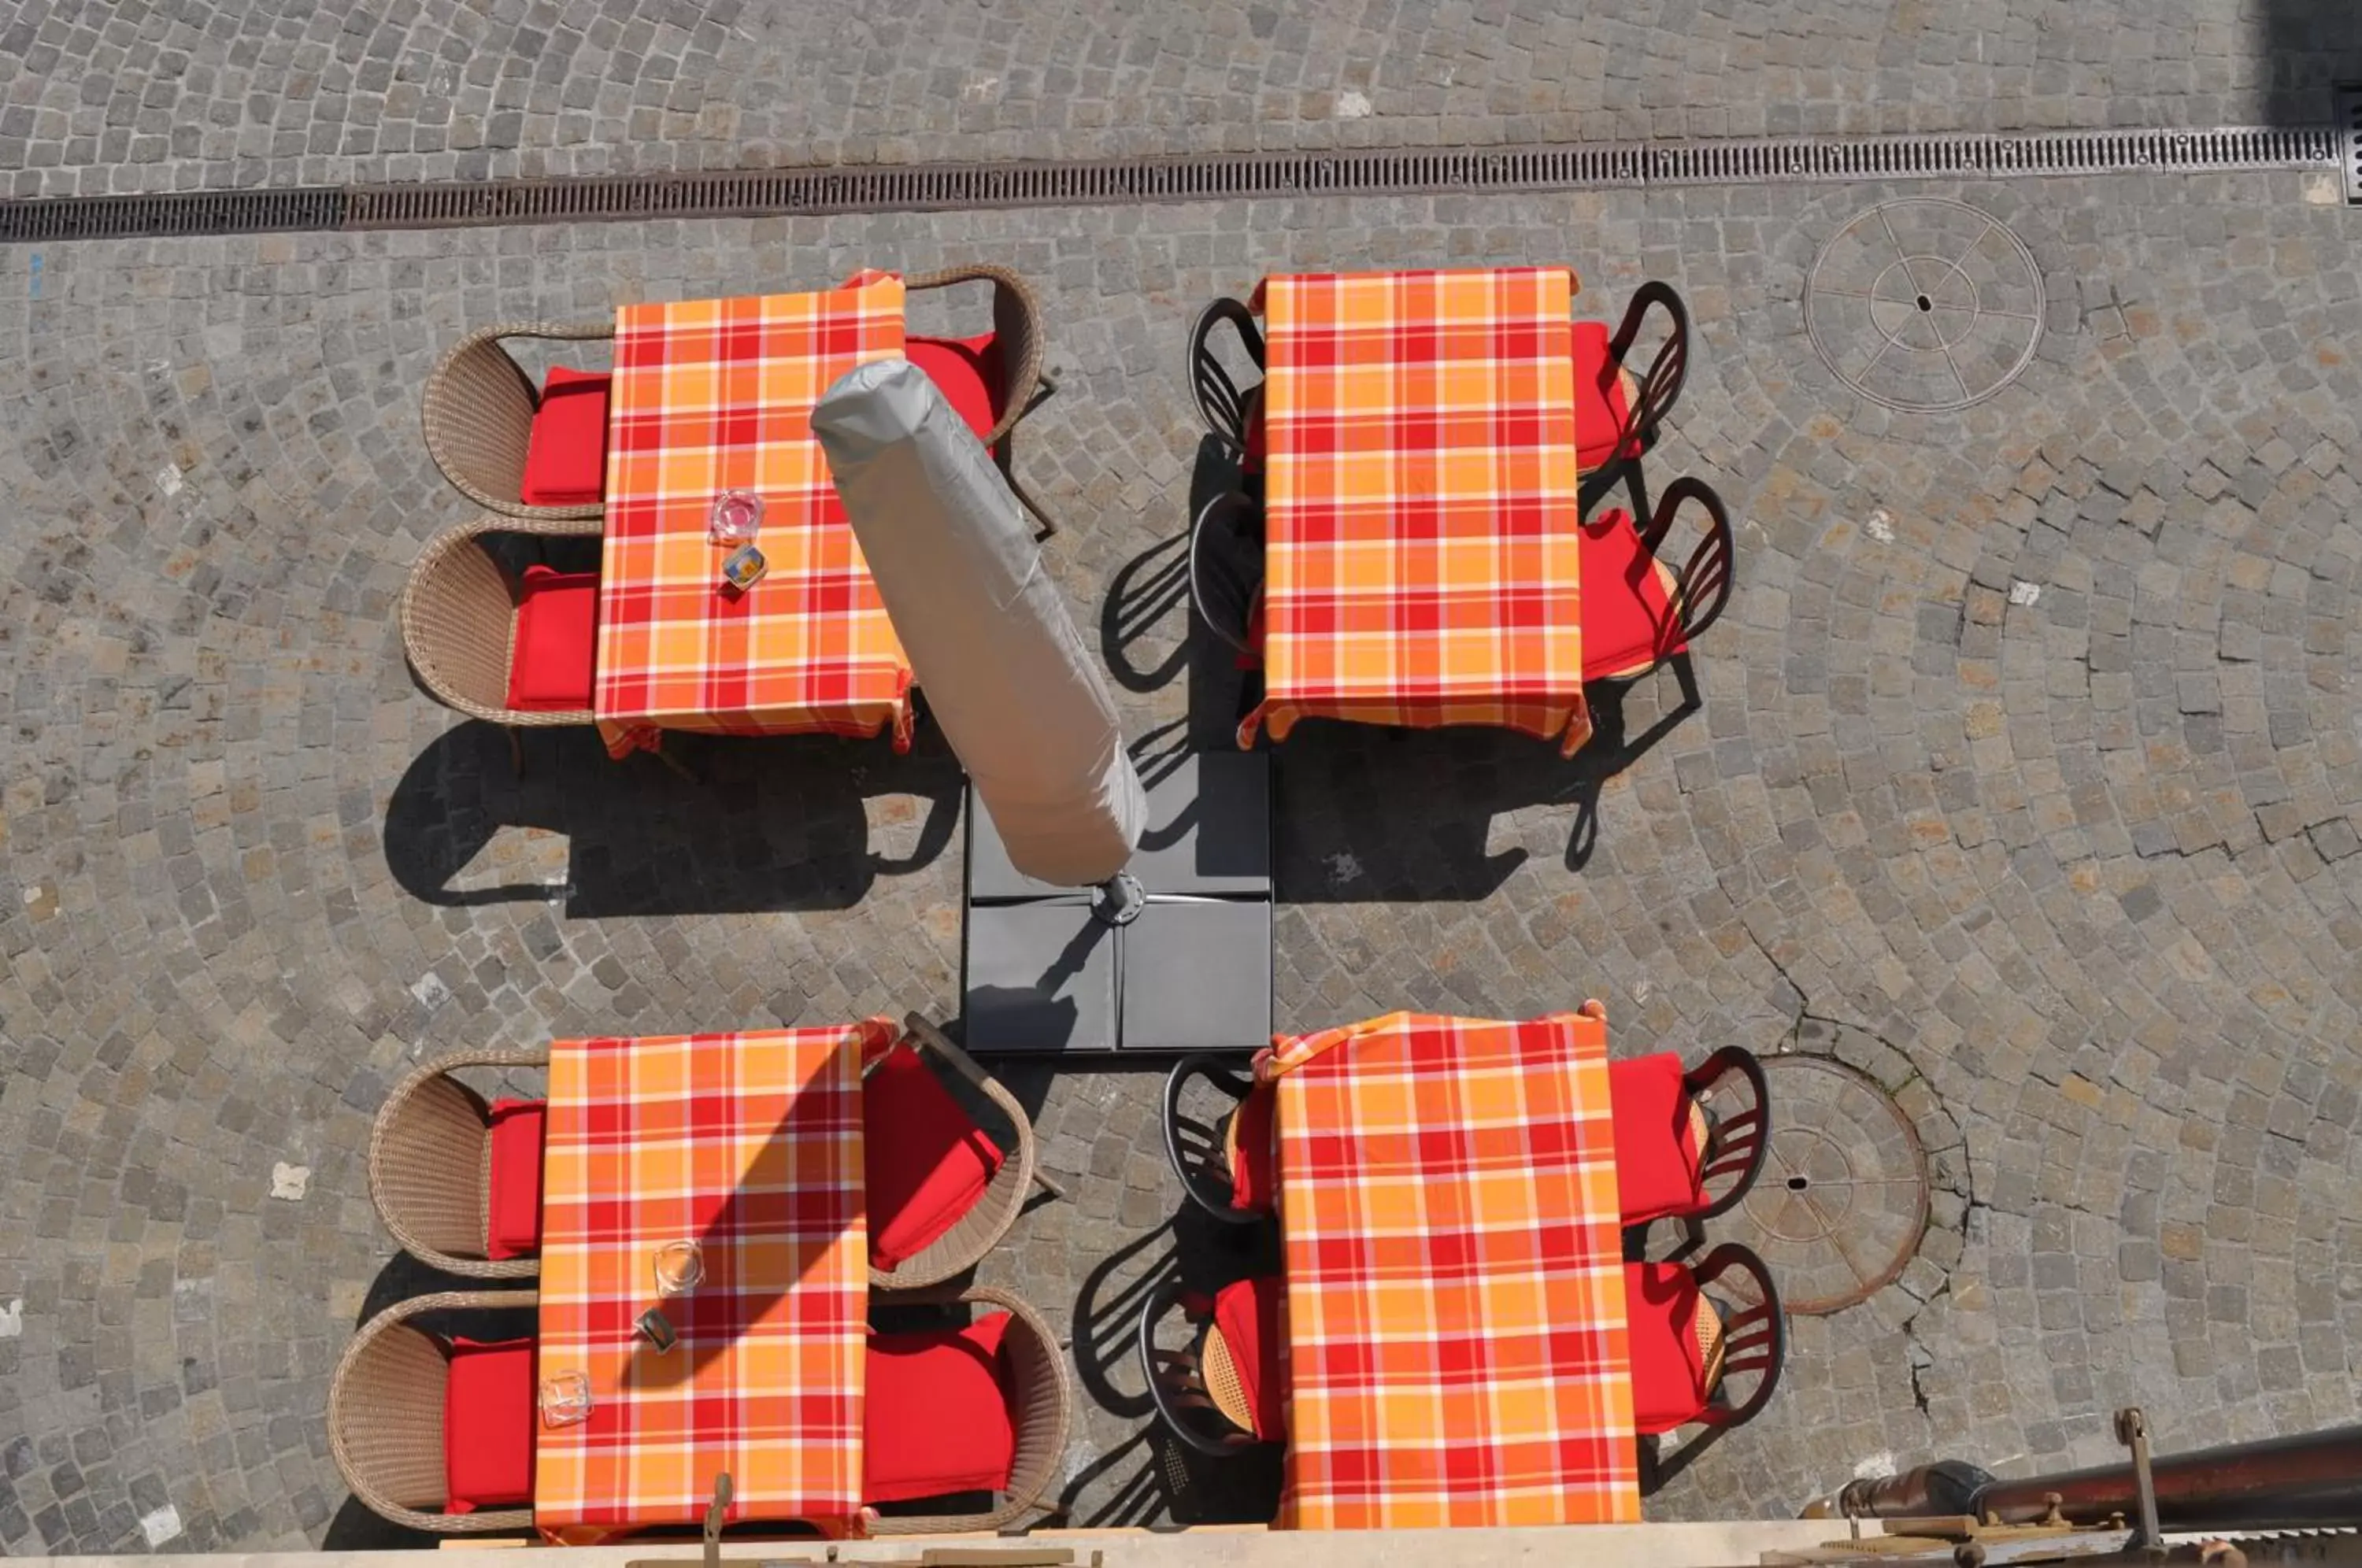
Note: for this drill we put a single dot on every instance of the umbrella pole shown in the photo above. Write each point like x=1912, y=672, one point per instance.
x=1118, y=900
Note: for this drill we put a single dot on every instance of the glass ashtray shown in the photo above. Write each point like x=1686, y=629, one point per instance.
x=566, y=1399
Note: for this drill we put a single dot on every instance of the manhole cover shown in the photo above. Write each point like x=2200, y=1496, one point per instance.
x=1842, y=1199
x=1925, y=306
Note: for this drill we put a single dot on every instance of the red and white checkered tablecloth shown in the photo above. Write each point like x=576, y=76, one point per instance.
x=711, y=395
x=1422, y=562
x=749, y=1144
x=1455, y=1334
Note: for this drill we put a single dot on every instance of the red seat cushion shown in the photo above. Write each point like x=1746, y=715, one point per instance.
x=1601, y=409
x=1254, y=1174
x=927, y=1161
x=968, y=372
x=935, y=1415
x=488, y=1414
x=1627, y=617
x=512, y=1220
x=1658, y=1159
x=556, y=641
x=1669, y=1381
x=1247, y=1313
x=1251, y=457
x=566, y=455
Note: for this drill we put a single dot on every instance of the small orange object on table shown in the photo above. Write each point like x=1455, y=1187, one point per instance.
x=1422, y=555
x=749, y=1145
x=1455, y=1338
x=715, y=395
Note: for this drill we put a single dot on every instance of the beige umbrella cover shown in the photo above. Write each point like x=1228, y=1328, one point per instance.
x=1020, y=699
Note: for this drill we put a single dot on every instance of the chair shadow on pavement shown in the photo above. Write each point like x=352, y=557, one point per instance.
x=778, y=824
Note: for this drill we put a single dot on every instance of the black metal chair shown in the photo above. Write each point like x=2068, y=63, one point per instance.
x=1222, y=403
x=1655, y=390
x=1738, y=1285
x=1741, y=1135
x=1638, y=612
x=1198, y=1391
x=1200, y=1146
x=1226, y=568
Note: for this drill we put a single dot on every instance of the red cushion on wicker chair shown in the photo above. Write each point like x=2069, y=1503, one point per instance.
x=488, y=1415
x=1658, y=1158
x=556, y=641
x=566, y=454
x=1601, y=411
x=927, y=1162
x=1254, y=1162
x=1673, y=1372
x=1628, y=618
x=513, y=1197
x=1247, y=1312
x=935, y=1416
x=968, y=372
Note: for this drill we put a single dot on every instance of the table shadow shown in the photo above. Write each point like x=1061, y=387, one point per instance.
x=774, y=824
x=1364, y=813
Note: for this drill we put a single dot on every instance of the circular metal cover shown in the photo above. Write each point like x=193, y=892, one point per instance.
x=1925, y=306
x=1841, y=1202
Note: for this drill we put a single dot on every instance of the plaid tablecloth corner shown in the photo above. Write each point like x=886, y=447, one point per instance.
x=749, y=1144
x=1455, y=1333
x=1422, y=566
x=711, y=395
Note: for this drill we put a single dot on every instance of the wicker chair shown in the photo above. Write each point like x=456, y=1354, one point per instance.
x=1040, y=1401
x=478, y=415
x=963, y=1246
x=385, y=1415
x=1016, y=328
x=459, y=622
x=429, y=1167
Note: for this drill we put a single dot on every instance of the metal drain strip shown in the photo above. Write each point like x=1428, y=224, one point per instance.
x=1214, y=177
x=2349, y=137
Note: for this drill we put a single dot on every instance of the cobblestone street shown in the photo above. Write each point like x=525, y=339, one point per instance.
x=2028, y=779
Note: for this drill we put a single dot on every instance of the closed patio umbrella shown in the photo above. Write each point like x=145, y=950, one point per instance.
x=1006, y=675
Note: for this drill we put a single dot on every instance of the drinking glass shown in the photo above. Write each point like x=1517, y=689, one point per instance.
x=680, y=1265
x=735, y=519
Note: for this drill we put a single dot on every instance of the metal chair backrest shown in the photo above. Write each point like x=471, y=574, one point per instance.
x=1741, y=1137
x=1702, y=585
x=1195, y=1148
x=1226, y=567
x=1221, y=401
x=1660, y=386
x=1755, y=1337
x=1176, y=1384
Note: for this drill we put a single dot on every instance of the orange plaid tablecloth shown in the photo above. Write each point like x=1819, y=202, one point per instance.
x=1455, y=1336
x=711, y=395
x=751, y=1145
x=1420, y=508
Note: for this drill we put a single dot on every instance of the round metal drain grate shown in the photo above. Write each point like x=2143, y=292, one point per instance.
x=1842, y=1199
x=1925, y=306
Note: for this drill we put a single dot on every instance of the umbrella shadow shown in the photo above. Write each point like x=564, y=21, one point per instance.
x=718, y=1312
x=780, y=824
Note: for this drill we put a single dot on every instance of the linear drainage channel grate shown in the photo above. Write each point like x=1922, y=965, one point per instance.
x=2349, y=139
x=934, y=187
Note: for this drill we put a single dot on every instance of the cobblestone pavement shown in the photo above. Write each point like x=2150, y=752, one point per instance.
x=170, y=95
x=2027, y=780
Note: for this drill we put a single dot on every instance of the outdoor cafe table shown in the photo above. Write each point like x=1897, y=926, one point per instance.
x=749, y=1144
x=1421, y=557
x=711, y=395
x=1454, y=1336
